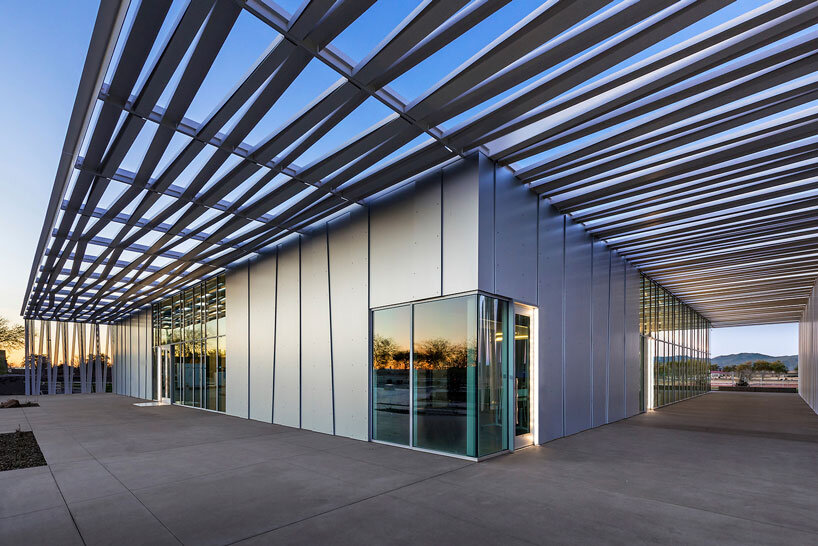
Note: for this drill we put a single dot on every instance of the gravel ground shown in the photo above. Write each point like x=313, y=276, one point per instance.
x=19, y=450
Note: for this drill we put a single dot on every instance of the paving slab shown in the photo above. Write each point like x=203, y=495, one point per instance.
x=119, y=519
x=40, y=528
x=725, y=468
x=85, y=480
x=28, y=490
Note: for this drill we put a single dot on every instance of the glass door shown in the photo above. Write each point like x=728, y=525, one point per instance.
x=523, y=385
x=164, y=367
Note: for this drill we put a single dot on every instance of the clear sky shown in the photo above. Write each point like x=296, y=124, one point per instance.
x=43, y=47
x=770, y=339
x=42, y=50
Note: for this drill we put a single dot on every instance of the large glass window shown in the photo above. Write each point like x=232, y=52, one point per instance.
x=192, y=324
x=675, y=354
x=439, y=372
x=492, y=399
x=390, y=373
x=445, y=355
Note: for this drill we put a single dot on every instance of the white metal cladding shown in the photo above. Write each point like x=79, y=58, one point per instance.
x=633, y=289
x=808, y=351
x=405, y=242
x=617, y=362
x=322, y=286
x=600, y=317
x=287, y=394
x=237, y=298
x=551, y=290
x=588, y=370
x=679, y=160
x=262, y=301
x=349, y=291
x=132, y=356
x=460, y=226
x=316, y=347
x=515, y=242
x=321, y=382
x=578, y=340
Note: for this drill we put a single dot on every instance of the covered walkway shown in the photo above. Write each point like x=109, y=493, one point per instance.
x=735, y=468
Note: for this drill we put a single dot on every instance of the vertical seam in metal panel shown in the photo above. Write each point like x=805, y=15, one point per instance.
x=608, y=355
x=331, y=351
x=493, y=227
x=300, y=340
x=249, y=362
x=625, y=341
x=369, y=369
x=537, y=268
x=564, y=286
x=591, y=324
x=412, y=375
x=540, y=376
x=441, y=231
x=138, y=356
x=275, y=337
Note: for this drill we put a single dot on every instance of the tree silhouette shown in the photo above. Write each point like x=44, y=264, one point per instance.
x=387, y=354
x=12, y=336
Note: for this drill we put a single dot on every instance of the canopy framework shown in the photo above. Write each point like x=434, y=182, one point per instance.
x=696, y=163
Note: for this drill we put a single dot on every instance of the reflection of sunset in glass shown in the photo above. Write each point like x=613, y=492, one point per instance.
x=445, y=334
x=388, y=354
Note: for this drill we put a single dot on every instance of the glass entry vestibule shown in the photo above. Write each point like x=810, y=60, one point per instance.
x=441, y=376
x=190, y=346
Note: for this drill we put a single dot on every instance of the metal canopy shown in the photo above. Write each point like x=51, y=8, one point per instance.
x=684, y=141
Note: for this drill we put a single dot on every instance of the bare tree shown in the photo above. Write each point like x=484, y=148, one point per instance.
x=12, y=336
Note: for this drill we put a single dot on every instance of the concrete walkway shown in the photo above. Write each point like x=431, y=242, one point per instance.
x=735, y=468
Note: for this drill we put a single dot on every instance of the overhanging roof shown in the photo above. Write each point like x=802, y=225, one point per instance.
x=681, y=133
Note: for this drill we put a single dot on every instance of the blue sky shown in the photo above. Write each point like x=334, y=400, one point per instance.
x=41, y=62
x=770, y=339
x=42, y=49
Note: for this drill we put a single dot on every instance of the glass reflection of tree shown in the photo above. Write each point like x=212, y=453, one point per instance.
x=387, y=354
x=440, y=353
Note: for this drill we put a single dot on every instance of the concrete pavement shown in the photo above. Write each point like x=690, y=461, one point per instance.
x=735, y=468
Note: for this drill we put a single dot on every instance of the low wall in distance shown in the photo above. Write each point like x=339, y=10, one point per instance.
x=759, y=389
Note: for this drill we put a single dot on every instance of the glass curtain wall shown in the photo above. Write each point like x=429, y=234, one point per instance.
x=438, y=375
x=192, y=325
x=674, y=347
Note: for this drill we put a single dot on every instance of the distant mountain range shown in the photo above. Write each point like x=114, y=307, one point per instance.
x=791, y=361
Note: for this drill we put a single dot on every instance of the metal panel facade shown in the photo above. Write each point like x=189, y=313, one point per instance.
x=577, y=329
x=298, y=321
x=460, y=227
x=287, y=371
x=405, y=244
x=236, y=303
x=133, y=357
x=551, y=281
x=262, y=302
x=616, y=366
x=485, y=248
x=316, y=353
x=349, y=289
x=515, y=238
x=633, y=365
x=148, y=382
x=808, y=351
x=600, y=299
